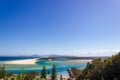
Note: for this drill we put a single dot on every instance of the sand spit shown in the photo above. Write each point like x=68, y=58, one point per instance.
x=21, y=62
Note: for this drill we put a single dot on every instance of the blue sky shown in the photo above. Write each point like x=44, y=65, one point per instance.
x=66, y=27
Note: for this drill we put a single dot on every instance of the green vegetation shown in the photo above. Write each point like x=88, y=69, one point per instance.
x=97, y=69
x=100, y=69
x=54, y=74
x=75, y=72
x=61, y=77
x=28, y=76
x=43, y=72
x=2, y=72
x=22, y=75
x=48, y=72
x=18, y=76
x=12, y=78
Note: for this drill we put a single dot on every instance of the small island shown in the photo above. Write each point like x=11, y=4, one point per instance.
x=46, y=58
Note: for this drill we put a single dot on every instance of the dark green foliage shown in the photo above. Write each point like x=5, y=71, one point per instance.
x=61, y=77
x=37, y=79
x=2, y=72
x=53, y=74
x=22, y=74
x=48, y=72
x=18, y=77
x=6, y=78
x=81, y=77
x=116, y=66
x=12, y=78
x=75, y=72
x=102, y=69
x=43, y=72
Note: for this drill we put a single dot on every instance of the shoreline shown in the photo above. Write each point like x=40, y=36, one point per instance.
x=33, y=61
x=20, y=62
x=65, y=74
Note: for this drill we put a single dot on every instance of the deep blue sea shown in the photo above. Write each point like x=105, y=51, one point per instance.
x=61, y=65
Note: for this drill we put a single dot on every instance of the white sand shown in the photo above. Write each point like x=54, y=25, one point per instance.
x=20, y=62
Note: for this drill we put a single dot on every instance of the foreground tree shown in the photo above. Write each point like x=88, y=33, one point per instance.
x=12, y=78
x=53, y=74
x=22, y=74
x=43, y=72
x=18, y=77
x=102, y=69
x=48, y=72
x=61, y=77
x=2, y=72
x=116, y=66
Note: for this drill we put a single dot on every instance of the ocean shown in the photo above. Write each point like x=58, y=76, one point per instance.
x=62, y=65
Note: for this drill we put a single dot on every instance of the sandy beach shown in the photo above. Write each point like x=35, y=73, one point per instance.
x=20, y=62
x=33, y=61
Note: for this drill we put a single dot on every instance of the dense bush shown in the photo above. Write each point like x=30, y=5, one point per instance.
x=53, y=74
x=28, y=76
x=2, y=72
x=43, y=72
x=102, y=69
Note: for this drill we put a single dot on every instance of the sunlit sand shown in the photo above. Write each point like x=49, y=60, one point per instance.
x=20, y=62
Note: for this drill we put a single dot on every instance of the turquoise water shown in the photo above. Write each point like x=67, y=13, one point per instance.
x=61, y=65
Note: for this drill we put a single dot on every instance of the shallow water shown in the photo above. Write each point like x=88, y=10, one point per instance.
x=61, y=66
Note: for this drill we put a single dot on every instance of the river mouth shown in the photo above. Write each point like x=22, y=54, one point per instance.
x=62, y=65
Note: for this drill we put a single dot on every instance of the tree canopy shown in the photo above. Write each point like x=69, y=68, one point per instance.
x=102, y=69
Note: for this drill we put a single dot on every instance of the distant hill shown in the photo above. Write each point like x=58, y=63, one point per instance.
x=57, y=56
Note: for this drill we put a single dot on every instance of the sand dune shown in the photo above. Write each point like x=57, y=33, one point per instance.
x=20, y=62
